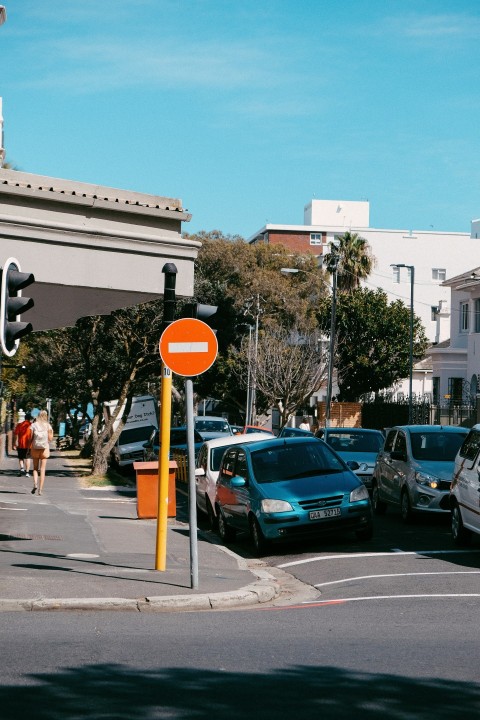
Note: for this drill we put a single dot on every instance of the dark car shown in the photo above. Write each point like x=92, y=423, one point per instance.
x=178, y=443
x=289, y=488
x=287, y=431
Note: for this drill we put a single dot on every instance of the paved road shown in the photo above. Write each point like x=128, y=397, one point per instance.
x=409, y=561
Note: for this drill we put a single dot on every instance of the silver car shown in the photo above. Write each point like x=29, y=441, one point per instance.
x=414, y=469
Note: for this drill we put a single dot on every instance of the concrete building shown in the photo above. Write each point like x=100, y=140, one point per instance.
x=456, y=362
x=435, y=255
x=92, y=249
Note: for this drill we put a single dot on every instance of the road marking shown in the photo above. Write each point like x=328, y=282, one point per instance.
x=12, y=508
x=187, y=347
x=339, y=601
x=395, y=553
x=399, y=575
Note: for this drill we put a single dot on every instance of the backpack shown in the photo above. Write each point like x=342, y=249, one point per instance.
x=40, y=436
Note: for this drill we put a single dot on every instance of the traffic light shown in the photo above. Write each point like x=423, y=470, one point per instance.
x=12, y=305
x=206, y=313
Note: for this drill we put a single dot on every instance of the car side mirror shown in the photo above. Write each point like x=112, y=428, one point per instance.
x=353, y=465
x=398, y=455
x=238, y=482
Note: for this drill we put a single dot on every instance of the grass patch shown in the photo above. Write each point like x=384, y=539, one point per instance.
x=83, y=468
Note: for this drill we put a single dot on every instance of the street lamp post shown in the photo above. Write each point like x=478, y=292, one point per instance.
x=410, y=378
x=331, y=352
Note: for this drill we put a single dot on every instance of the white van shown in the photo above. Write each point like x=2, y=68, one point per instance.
x=465, y=489
x=141, y=422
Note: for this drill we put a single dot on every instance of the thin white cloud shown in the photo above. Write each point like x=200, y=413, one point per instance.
x=432, y=26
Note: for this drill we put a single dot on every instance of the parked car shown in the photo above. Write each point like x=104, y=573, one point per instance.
x=248, y=429
x=287, y=431
x=415, y=467
x=465, y=489
x=289, y=488
x=359, y=447
x=129, y=446
x=178, y=442
x=211, y=427
x=207, y=467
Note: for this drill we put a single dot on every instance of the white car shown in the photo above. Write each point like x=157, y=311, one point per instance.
x=208, y=465
x=465, y=489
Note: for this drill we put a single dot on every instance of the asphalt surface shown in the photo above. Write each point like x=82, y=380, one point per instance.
x=80, y=548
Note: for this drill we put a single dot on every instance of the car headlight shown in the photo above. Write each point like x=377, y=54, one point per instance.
x=427, y=480
x=275, y=506
x=360, y=493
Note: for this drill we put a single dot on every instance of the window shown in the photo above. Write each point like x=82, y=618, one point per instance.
x=477, y=315
x=439, y=274
x=464, y=317
x=434, y=309
x=396, y=274
x=436, y=390
x=316, y=239
x=455, y=390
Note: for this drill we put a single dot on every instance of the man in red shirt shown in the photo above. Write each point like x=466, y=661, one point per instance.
x=22, y=437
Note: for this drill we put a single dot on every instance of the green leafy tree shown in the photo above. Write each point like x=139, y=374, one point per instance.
x=354, y=258
x=373, y=341
x=101, y=358
x=245, y=281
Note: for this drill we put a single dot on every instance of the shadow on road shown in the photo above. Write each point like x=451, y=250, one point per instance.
x=113, y=691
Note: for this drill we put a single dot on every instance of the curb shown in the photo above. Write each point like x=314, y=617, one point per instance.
x=259, y=592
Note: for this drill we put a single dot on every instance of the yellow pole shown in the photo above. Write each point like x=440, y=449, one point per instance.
x=163, y=468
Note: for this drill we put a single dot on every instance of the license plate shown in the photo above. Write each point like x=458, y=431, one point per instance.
x=327, y=513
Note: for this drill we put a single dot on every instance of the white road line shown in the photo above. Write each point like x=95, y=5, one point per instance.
x=17, y=509
x=339, y=601
x=395, y=553
x=399, y=575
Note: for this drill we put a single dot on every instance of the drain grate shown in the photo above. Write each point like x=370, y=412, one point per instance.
x=20, y=536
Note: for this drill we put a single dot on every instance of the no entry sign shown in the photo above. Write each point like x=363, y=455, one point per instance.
x=188, y=347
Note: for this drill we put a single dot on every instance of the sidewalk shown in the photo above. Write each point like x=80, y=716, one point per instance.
x=82, y=548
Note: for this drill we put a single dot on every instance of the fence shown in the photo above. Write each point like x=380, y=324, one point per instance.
x=380, y=414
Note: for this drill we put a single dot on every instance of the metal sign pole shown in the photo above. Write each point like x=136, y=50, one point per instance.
x=192, y=505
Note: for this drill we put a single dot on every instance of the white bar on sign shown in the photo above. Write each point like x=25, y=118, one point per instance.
x=187, y=347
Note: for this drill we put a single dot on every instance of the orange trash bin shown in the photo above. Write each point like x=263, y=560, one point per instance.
x=147, y=489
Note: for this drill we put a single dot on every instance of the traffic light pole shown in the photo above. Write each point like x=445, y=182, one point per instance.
x=169, y=304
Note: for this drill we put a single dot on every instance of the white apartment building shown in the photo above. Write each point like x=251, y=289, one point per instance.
x=435, y=255
x=456, y=362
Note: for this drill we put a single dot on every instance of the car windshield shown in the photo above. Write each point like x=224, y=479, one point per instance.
x=355, y=442
x=292, y=462
x=436, y=445
x=220, y=426
x=133, y=435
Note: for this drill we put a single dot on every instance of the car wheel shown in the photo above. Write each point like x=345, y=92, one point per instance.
x=258, y=538
x=227, y=533
x=460, y=534
x=365, y=533
x=405, y=507
x=212, y=518
x=379, y=507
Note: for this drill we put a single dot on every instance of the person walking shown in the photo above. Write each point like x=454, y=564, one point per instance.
x=42, y=435
x=22, y=437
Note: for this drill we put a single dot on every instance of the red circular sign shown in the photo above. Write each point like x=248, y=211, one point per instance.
x=188, y=347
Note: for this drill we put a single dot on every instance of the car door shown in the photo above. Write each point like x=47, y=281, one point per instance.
x=467, y=480
x=383, y=468
x=398, y=467
x=201, y=479
x=241, y=505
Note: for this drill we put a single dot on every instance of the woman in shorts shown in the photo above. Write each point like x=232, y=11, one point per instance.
x=42, y=435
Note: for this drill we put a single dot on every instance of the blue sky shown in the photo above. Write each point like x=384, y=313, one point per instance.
x=247, y=110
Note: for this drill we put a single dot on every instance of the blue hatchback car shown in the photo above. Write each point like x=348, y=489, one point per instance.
x=289, y=488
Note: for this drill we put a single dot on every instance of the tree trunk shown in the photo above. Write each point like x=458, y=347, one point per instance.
x=99, y=460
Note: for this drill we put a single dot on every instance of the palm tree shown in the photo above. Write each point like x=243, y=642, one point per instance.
x=354, y=261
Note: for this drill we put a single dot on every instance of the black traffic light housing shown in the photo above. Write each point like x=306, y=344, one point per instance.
x=206, y=313
x=12, y=305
